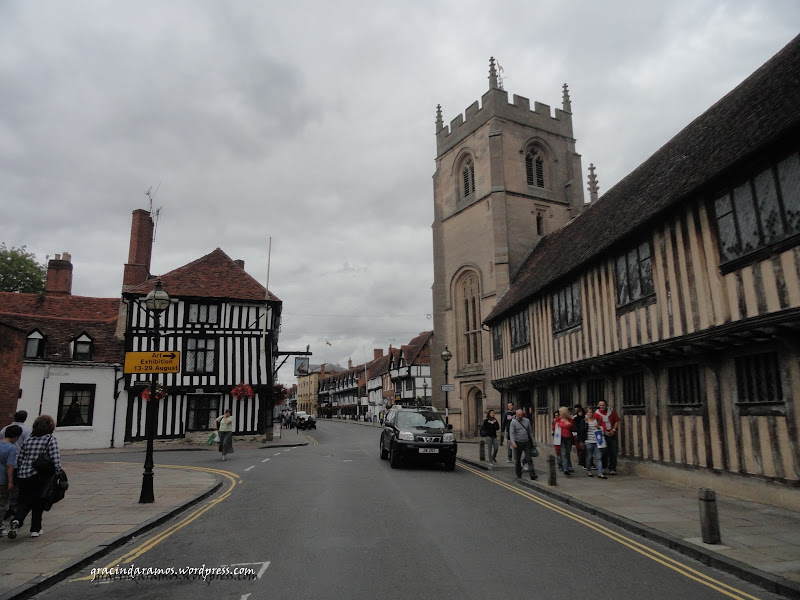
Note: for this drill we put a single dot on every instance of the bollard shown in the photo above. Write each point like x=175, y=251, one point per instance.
x=551, y=470
x=482, y=452
x=709, y=517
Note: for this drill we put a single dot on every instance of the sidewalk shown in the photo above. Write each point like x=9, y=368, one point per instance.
x=101, y=511
x=760, y=543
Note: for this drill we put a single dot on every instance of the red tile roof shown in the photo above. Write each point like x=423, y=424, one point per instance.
x=215, y=275
x=63, y=318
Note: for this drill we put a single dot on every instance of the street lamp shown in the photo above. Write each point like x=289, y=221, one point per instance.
x=446, y=356
x=425, y=391
x=157, y=301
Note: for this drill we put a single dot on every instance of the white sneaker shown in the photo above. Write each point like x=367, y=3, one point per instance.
x=508, y=460
x=525, y=467
x=37, y=533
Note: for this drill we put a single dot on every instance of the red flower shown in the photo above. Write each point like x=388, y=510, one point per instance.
x=161, y=392
x=242, y=391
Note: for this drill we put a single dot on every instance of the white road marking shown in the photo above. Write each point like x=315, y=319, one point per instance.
x=265, y=460
x=245, y=597
x=277, y=454
x=347, y=460
x=250, y=467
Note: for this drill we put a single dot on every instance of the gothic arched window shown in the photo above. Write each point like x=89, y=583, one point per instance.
x=534, y=168
x=467, y=179
x=468, y=305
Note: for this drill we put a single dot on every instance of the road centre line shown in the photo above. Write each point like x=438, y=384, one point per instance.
x=250, y=467
x=152, y=542
x=265, y=460
x=642, y=549
x=277, y=454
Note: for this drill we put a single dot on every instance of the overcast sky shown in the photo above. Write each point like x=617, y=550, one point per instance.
x=312, y=122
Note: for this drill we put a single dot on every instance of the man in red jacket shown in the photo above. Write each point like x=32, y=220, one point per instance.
x=609, y=419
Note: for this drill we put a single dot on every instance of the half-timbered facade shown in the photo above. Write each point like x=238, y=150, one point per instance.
x=225, y=325
x=676, y=296
x=410, y=370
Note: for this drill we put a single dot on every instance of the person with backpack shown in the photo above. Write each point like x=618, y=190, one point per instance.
x=488, y=431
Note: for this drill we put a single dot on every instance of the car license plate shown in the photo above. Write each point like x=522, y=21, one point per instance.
x=428, y=450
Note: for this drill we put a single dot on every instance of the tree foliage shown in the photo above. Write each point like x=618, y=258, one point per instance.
x=19, y=271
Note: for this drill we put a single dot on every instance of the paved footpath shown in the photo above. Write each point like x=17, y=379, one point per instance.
x=101, y=511
x=760, y=542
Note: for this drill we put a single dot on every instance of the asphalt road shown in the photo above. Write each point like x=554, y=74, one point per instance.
x=332, y=520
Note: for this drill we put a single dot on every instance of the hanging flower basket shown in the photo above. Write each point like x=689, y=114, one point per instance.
x=161, y=392
x=242, y=392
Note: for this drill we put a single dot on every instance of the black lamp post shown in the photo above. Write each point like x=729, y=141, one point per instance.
x=156, y=302
x=446, y=356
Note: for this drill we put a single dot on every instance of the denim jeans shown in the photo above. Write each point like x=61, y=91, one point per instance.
x=593, y=453
x=523, y=447
x=565, y=451
x=491, y=448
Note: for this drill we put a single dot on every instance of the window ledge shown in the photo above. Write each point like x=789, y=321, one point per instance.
x=640, y=303
x=567, y=330
x=520, y=347
x=686, y=409
x=762, y=409
x=759, y=255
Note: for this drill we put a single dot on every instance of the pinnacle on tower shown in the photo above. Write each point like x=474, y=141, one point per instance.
x=593, y=187
x=439, y=122
x=566, y=105
x=492, y=74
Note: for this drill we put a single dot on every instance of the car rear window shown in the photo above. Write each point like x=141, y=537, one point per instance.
x=419, y=419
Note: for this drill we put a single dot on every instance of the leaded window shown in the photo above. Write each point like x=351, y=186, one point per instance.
x=684, y=385
x=520, y=329
x=82, y=348
x=203, y=412
x=595, y=391
x=497, y=341
x=761, y=211
x=634, y=274
x=203, y=313
x=201, y=353
x=758, y=379
x=566, y=304
x=565, y=394
x=34, y=345
x=469, y=299
x=541, y=399
x=633, y=390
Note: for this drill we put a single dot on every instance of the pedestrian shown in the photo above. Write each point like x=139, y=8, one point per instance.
x=594, y=441
x=520, y=438
x=225, y=429
x=580, y=434
x=557, y=440
x=489, y=432
x=31, y=481
x=19, y=419
x=8, y=460
x=508, y=416
x=565, y=425
x=610, y=421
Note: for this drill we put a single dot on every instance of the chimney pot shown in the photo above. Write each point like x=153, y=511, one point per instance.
x=239, y=262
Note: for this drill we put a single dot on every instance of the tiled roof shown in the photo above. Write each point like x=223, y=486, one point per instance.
x=63, y=318
x=762, y=110
x=215, y=275
x=412, y=352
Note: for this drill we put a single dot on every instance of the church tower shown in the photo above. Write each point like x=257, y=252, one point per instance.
x=505, y=176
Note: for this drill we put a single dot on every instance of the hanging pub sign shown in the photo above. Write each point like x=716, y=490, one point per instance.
x=301, y=366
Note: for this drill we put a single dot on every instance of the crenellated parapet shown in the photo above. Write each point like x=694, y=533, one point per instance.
x=495, y=105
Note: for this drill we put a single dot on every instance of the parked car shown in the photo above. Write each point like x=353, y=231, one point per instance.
x=417, y=433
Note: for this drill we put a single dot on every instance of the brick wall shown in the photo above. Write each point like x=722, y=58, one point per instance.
x=12, y=349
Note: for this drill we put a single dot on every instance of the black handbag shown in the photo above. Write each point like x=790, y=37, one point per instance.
x=43, y=463
x=54, y=489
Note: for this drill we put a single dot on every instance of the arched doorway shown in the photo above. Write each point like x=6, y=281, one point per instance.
x=475, y=414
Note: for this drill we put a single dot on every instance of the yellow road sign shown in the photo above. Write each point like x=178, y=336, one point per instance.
x=153, y=362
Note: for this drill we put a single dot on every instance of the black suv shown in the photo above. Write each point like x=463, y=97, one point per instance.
x=418, y=432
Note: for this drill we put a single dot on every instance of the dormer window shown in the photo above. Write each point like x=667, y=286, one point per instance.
x=82, y=348
x=34, y=346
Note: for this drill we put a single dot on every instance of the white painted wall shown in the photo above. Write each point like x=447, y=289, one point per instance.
x=36, y=374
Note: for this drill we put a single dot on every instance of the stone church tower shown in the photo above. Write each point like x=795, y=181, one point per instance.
x=505, y=176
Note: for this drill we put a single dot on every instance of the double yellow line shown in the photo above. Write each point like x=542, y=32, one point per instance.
x=658, y=557
x=135, y=553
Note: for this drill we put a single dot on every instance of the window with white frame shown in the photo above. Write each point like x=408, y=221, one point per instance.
x=82, y=348
x=203, y=313
x=75, y=404
x=34, y=345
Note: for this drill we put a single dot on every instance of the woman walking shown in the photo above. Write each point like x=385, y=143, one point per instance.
x=567, y=429
x=31, y=481
x=490, y=428
x=592, y=447
x=225, y=428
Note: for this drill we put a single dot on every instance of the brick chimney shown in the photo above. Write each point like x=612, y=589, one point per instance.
x=59, y=275
x=349, y=363
x=137, y=269
x=322, y=371
x=377, y=353
x=239, y=262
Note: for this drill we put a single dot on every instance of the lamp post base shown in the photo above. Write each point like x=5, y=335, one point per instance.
x=146, y=495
